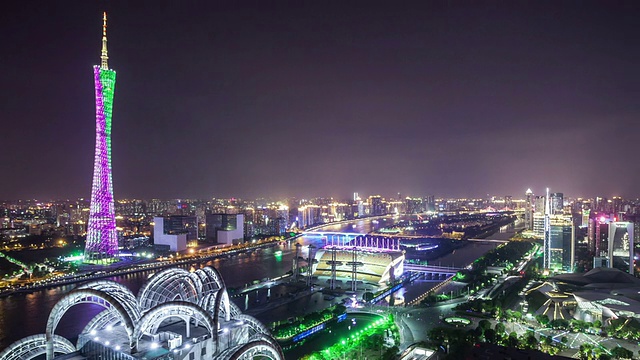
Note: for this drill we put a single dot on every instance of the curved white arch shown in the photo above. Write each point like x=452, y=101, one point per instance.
x=214, y=275
x=152, y=319
x=210, y=280
x=168, y=285
x=79, y=296
x=234, y=309
x=222, y=305
x=255, y=325
x=102, y=320
x=119, y=291
x=33, y=346
x=263, y=347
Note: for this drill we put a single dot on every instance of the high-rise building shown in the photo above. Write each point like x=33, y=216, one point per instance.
x=598, y=233
x=102, y=241
x=561, y=243
x=557, y=203
x=174, y=240
x=538, y=204
x=309, y=215
x=178, y=224
x=377, y=207
x=225, y=228
x=585, y=217
x=430, y=202
x=528, y=210
x=508, y=202
x=621, y=249
x=547, y=234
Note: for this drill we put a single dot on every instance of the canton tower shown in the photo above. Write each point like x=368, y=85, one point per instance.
x=102, y=241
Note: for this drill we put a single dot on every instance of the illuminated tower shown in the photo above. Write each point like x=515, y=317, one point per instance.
x=102, y=242
x=547, y=233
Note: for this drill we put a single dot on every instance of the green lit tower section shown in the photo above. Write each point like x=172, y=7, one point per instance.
x=102, y=240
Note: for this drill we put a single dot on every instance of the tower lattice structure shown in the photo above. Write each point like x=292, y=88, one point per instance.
x=102, y=241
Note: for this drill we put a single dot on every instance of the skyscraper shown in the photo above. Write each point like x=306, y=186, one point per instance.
x=528, y=210
x=621, y=247
x=547, y=234
x=102, y=241
x=557, y=203
x=561, y=243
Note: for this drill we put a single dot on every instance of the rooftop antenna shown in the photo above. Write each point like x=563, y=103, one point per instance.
x=104, y=57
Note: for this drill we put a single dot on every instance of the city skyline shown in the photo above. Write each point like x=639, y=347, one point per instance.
x=251, y=100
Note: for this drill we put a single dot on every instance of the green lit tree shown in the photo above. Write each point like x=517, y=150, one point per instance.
x=619, y=352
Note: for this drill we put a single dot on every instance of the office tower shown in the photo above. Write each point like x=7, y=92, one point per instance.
x=173, y=240
x=413, y=205
x=539, y=204
x=616, y=204
x=309, y=215
x=360, y=205
x=598, y=234
x=557, y=203
x=225, y=228
x=561, y=243
x=528, y=210
x=377, y=207
x=283, y=214
x=585, y=217
x=102, y=241
x=621, y=249
x=508, y=202
x=547, y=234
x=179, y=224
x=430, y=203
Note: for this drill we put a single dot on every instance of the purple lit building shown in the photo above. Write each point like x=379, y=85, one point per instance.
x=102, y=240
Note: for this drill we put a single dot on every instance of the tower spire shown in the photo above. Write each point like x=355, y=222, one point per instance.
x=104, y=57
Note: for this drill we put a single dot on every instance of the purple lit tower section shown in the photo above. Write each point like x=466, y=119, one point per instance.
x=102, y=240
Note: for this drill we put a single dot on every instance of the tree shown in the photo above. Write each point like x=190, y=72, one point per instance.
x=542, y=319
x=490, y=335
x=530, y=341
x=597, y=324
x=339, y=310
x=512, y=340
x=484, y=324
x=621, y=353
x=390, y=353
x=585, y=351
x=559, y=324
x=500, y=328
x=564, y=340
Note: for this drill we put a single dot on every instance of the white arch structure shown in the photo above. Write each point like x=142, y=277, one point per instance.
x=262, y=347
x=198, y=297
x=179, y=284
x=120, y=292
x=34, y=346
x=168, y=285
x=152, y=319
x=256, y=326
x=102, y=320
x=87, y=296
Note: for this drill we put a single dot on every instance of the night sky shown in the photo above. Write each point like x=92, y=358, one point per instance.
x=324, y=98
